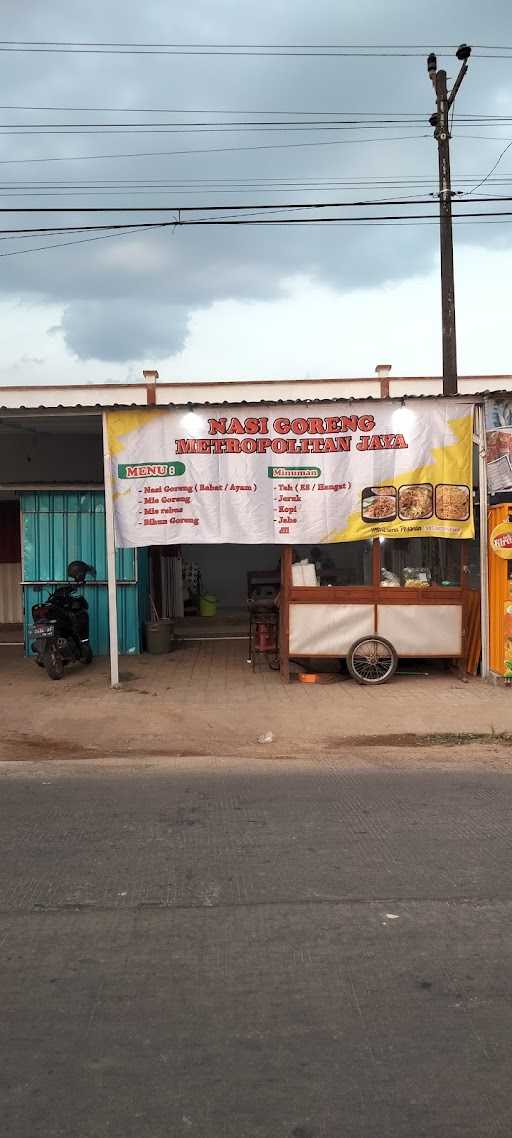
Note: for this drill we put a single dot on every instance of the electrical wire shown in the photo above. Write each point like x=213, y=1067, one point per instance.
x=178, y=221
x=62, y=244
x=338, y=220
x=276, y=128
x=399, y=115
x=192, y=187
x=493, y=168
x=212, y=150
x=234, y=49
x=235, y=182
x=173, y=226
x=259, y=207
x=239, y=124
x=124, y=43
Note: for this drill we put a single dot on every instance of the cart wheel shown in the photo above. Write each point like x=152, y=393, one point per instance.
x=372, y=660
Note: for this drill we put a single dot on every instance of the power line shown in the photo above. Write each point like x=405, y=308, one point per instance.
x=400, y=116
x=200, y=111
x=188, y=110
x=62, y=244
x=493, y=168
x=235, y=54
x=274, y=128
x=178, y=222
x=305, y=119
x=252, y=123
x=37, y=130
x=241, y=53
x=124, y=43
x=338, y=220
x=128, y=225
x=213, y=150
x=404, y=199
x=354, y=222
x=375, y=222
x=354, y=180
x=193, y=187
x=233, y=49
x=260, y=207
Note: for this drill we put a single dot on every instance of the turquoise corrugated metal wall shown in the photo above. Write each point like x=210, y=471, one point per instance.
x=66, y=526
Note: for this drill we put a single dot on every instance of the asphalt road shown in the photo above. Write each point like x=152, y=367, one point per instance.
x=256, y=949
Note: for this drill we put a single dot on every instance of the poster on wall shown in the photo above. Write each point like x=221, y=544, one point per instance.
x=290, y=474
x=498, y=422
x=507, y=631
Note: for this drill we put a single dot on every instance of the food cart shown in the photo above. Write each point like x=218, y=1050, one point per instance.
x=420, y=612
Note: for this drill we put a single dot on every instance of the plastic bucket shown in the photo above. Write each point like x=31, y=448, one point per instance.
x=208, y=605
x=158, y=635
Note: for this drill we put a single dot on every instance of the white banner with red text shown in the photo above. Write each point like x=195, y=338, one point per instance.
x=292, y=473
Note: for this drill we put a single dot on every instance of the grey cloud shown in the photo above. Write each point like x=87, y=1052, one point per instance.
x=123, y=330
x=130, y=296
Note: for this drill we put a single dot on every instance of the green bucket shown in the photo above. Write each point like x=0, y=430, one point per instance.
x=208, y=605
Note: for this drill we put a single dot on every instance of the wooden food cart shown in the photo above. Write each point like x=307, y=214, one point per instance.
x=324, y=621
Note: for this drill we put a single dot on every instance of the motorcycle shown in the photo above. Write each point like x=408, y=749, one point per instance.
x=60, y=630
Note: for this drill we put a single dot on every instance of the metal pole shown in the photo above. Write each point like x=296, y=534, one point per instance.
x=484, y=556
x=111, y=559
x=446, y=235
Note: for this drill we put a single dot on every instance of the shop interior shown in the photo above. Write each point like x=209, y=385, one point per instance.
x=225, y=576
x=238, y=591
x=223, y=573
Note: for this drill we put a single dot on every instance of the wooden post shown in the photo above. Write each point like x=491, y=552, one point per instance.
x=375, y=563
x=150, y=379
x=284, y=613
x=484, y=538
x=446, y=235
x=111, y=559
x=376, y=574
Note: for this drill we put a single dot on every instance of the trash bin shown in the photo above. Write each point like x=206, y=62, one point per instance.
x=208, y=605
x=158, y=635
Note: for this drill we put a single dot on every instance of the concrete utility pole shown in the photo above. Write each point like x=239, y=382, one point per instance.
x=439, y=121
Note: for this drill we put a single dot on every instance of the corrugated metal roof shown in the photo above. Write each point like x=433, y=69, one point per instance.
x=94, y=398
x=55, y=418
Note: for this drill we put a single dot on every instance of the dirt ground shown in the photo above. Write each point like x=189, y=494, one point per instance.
x=205, y=699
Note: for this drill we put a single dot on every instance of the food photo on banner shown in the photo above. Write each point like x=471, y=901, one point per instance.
x=323, y=473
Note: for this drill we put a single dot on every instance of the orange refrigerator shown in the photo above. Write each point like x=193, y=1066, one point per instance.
x=500, y=599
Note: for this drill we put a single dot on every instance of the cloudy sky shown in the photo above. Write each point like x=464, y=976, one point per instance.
x=222, y=302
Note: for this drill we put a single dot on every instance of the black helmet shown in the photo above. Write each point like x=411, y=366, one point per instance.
x=78, y=571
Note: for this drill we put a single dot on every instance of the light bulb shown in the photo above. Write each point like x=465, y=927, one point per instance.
x=192, y=424
x=402, y=419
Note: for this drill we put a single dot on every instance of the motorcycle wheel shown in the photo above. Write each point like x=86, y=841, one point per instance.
x=54, y=664
x=87, y=656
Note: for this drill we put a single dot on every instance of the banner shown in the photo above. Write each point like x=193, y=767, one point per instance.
x=292, y=474
x=498, y=422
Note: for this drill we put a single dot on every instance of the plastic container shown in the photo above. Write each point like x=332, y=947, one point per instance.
x=304, y=573
x=158, y=636
x=208, y=605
